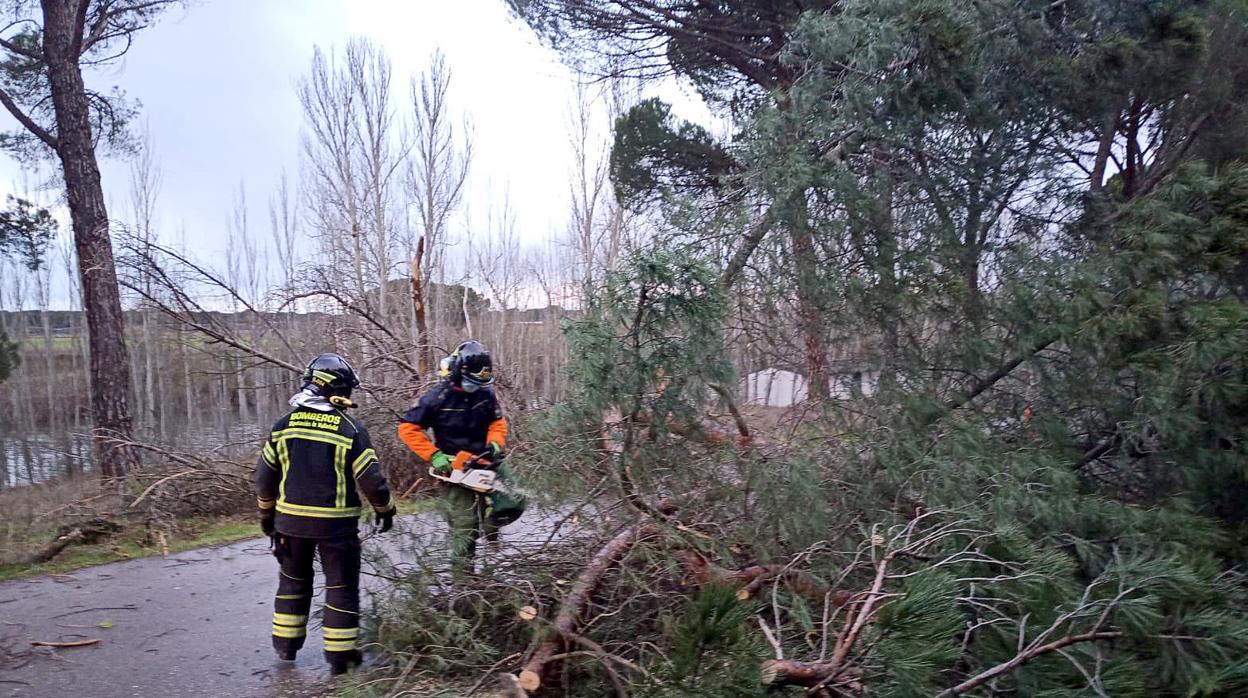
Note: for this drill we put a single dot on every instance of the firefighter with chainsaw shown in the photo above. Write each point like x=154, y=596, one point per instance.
x=309, y=480
x=469, y=433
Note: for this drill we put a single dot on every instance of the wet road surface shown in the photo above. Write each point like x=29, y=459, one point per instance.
x=194, y=624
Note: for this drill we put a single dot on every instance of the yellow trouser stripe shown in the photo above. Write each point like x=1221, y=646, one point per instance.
x=341, y=633
x=340, y=610
x=283, y=631
x=291, y=597
x=339, y=645
x=289, y=619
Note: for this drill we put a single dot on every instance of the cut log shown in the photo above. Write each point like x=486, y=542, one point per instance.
x=570, y=611
x=509, y=687
x=787, y=672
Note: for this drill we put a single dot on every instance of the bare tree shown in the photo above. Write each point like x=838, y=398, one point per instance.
x=600, y=229
x=284, y=231
x=144, y=190
x=353, y=154
x=436, y=177
x=588, y=185
x=329, y=169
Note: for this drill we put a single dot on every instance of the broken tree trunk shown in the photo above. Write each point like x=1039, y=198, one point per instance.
x=570, y=611
x=750, y=580
x=85, y=532
x=710, y=432
x=787, y=672
x=423, y=347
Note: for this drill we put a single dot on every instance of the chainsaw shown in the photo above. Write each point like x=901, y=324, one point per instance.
x=477, y=479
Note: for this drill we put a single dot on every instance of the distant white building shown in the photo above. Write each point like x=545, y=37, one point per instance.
x=772, y=387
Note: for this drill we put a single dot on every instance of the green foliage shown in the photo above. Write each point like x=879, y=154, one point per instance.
x=10, y=359
x=651, y=337
x=920, y=634
x=447, y=631
x=1030, y=219
x=653, y=156
x=24, y=74
x=714, y=652
x=26, y=230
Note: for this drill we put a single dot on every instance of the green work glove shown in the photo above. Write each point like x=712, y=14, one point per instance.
x=441, y=463
x=496, y=450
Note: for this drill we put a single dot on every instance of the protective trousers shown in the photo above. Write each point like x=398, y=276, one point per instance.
x=340, y=562
x=464, y=512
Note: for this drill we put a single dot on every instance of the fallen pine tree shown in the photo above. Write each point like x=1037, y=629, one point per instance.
x=570, y=613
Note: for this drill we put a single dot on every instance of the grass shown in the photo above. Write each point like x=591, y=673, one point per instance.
x=134, y=541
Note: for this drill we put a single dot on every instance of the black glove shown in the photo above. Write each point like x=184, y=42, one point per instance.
x=385, y=519
x=266, y=521
x=280, y=545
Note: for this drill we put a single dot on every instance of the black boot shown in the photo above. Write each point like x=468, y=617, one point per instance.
x=286, y=655
x=342, y=662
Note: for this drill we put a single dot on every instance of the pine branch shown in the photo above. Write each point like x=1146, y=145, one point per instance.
x=28, y=122
x=25, y=53
x=1024, y=657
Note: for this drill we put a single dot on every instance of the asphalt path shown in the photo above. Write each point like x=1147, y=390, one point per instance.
x=193, y=624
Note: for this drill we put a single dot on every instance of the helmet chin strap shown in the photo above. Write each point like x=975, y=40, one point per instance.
x=340, y=401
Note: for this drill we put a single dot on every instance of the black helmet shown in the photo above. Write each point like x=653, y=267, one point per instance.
x=329, y=375
x=471, y=364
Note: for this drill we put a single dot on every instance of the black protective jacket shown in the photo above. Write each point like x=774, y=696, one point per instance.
x=312, y=470
x=460, y=420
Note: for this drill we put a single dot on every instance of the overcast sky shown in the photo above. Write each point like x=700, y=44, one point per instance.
x=217, y=85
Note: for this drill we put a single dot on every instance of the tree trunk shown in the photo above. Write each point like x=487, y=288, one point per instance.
x=240, y=377
x=48, y=361
x=149, y=378
x=810, y=316
x=188, y=385
x=101, y=300
x=162, y=397
x=748, y=581
x=423, y=345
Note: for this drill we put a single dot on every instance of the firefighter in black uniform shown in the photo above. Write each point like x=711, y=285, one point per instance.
x=467, y=422
x=309, y=478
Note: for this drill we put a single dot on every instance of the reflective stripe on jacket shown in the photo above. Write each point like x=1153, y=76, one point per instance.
x=312, y=470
